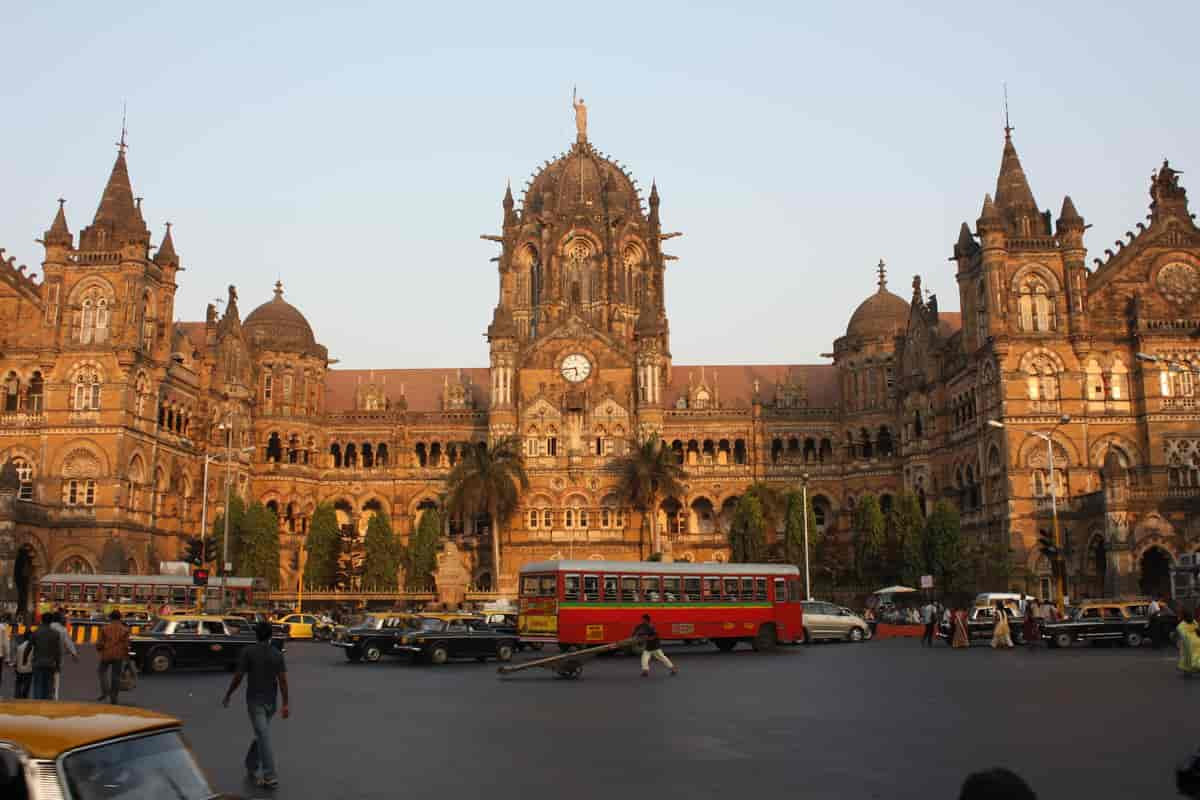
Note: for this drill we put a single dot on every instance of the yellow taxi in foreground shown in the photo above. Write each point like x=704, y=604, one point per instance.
x=78, y=750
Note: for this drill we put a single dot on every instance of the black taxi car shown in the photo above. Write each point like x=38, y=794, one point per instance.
x=1100, y=622
x=377, y=635
x=192, y=641
x=437, y=639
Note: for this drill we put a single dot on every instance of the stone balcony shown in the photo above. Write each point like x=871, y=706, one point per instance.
x=22, y=419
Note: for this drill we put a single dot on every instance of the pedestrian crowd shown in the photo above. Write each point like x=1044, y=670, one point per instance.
x=37, y=655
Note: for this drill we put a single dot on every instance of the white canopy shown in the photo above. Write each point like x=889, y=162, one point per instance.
x=895, y=590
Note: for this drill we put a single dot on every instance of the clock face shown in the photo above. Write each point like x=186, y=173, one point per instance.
x=576, y=368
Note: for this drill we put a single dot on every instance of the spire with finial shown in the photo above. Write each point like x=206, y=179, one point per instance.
x=279, y=290
x=1013, y=195
x=166, y=251
x=510, y=216
x=916, y=284
x=59, y=234
x=118, y=220
x=1069, y=219
x=882, y=269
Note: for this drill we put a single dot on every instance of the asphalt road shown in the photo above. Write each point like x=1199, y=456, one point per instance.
x=881, y=719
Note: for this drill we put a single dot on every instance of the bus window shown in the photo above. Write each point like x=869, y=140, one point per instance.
x=142, y=593
x=794, y=591
x=179, y=595
x=729, y=590
x=110, y=592
x=570, y=587
x=671, y=590
x=591, y=588
x=747, y=588
x=650, y=590
x=60, y=591
x=89, y=593
x=548, y=586
x=629, y=590
x=610, y=589
x=781, y=594
x=75, y=592
x=760, y=588
x=712, y=589
x=691, y=589
x=529, y=586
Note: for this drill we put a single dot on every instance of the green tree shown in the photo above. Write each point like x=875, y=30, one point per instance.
x=491, y=479
x=943, y=546
x=747, y=531
x=907, y=526
x=237, y=515
x=870, y=539
x=420, y=557
x=382, y=556
x=324, y=546
x=644, y=476
x=793, y=530
x=258, y=547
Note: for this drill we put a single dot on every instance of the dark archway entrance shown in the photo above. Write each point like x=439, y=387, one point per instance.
x=1154, y=575
x=1096, y=568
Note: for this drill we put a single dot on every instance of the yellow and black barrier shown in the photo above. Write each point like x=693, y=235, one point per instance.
x=83, y=632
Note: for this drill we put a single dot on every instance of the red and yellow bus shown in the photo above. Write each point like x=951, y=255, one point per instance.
x=583, y=603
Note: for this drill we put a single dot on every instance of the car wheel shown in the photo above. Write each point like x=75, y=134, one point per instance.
x=160, y=661
x=372, y=653
x=504, y=653
x=856, y=634
x=1133, y=639
x=725, y=645
x=353, y=655
x=1062, y=640
x=439, y=655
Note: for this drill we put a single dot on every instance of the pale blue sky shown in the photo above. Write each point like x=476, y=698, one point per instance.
x=359, y=151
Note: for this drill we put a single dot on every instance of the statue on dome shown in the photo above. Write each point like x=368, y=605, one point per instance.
x=580, y=116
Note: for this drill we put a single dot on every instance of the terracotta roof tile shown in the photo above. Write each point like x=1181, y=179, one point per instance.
x=422, y=387
x=735, y=382
x=194, y=331
x=949, y=322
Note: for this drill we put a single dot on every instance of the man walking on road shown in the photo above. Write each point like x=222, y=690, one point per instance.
x=112, y=644
x=652, y=646
x=47, y=658
x=67, y=645
x=929, y=618
x=265, y=671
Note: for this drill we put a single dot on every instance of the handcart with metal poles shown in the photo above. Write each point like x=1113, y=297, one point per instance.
x=568, y=665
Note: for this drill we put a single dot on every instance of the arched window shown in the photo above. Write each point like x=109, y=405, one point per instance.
x=35, y=398
x=87, y=390
x=1042, y=380
x=12, y=392
x=25, y=476
x=1118, y=381
x=1036, y=305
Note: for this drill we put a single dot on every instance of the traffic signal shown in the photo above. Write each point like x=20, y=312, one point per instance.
x=210, y=550
x=200, y=577
x=195, y=551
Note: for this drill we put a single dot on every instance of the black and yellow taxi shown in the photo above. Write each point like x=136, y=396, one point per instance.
x=1100, y=621
x=83, y=750
x=438, y=638
x=192, y=640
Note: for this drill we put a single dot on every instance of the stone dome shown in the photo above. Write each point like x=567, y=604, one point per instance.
x=581, y=177
x=881, y=314
x=279, y=325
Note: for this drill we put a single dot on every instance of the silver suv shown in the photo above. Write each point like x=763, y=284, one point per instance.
x=828, y=621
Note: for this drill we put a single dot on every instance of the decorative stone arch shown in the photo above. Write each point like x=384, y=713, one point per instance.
x=76, y=551
x=567, y=494
x=719, y=557
x=1033, y=450
x=1099, y=449
x=89, y=283
x=384, y=503
x=1027, y=365
x=1045, y=274
x=1153, y=529
x=19, y=451
x=574, y=233
x=414, y=505
x=78, y=447
x=86, y=364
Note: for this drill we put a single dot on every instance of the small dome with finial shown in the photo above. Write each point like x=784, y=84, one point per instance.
x=881, y=314
x=278, y=325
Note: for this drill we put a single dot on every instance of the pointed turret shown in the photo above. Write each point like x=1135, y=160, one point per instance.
x=1012, y=188
x=1069, y=220
x=118, y=220
x=231, y=320
x=166, y=251
x=966, y=246
x=990, y=220
x=510, y=216
x=59, y=234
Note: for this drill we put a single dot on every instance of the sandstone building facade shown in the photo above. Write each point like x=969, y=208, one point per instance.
x=113, y=415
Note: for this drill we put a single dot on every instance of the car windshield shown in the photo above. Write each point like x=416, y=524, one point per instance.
x=149, y=767
x=372, y=621
x=160, y=626
x=432, y=625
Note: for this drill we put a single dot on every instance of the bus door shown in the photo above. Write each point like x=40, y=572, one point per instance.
x=539, y=606
x=779, y=607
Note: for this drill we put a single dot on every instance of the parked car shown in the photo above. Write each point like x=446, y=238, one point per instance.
x=254, y=616
x=191, y=641
x=56, y=749
x=981, y=621
x=828, y=621
x=1115, y=621
x=506, y=622
x=376, y=636
x=437, y=640
x=306, y=626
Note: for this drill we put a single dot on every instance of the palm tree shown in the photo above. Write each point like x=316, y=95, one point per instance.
x=645, y=475
x=488, y=479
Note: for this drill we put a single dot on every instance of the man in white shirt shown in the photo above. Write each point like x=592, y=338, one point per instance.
x=929, y=619
x=68, y=646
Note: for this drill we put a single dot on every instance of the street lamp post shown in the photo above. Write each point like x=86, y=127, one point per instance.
x=1060, y=565
x=804, y=490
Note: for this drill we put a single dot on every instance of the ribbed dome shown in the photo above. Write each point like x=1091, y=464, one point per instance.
x=881, y=314
x=563, y=177
x=279, y=325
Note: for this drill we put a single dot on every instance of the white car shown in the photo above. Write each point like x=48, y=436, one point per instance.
x=828, y=621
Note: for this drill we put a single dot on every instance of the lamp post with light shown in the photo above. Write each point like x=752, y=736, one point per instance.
x=804, y=490
x=1060, y=565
